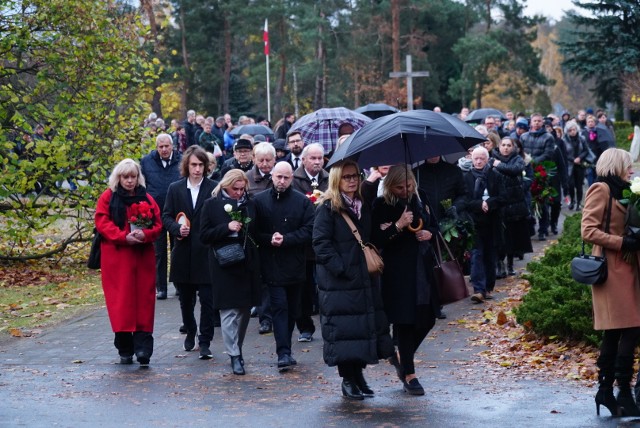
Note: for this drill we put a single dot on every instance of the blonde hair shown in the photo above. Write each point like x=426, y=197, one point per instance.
x=614, y=162
x=124, y=167
x=333, y=194
x=398, y=175
x=229, y=178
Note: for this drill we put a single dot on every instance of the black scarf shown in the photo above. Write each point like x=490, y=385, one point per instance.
x=481, y=181
x=616, y=185
x=121, y=199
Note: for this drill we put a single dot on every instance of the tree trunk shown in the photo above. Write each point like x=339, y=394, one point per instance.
x=278, y=107
x=185, y=61
x=318, y=98
x=147, y=6
x=395, y=43
x=226, y=78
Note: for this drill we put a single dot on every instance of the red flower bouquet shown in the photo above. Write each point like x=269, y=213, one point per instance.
x=141, y=215
x=542, y=191
x=314, y=196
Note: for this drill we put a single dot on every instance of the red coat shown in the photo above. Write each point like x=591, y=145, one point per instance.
x=128, y=271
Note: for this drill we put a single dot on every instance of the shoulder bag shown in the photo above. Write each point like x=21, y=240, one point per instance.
x=229, y=254
x=94, y=255
x=588, y=269
x=451, y=283
x=375, y=265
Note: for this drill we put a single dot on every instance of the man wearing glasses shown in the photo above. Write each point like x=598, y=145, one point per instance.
x=295, y=144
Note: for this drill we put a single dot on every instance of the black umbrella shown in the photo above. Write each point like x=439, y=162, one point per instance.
x=253, y=129
x=407, y=137
x=377, y=110
x=478, y=116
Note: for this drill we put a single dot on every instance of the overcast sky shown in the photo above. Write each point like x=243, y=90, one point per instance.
x=551, y=8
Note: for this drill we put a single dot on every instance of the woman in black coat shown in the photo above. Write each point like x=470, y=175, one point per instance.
x=577, y=155
x=236, y=287
x=354, y=327
x=403, y=228
x=515, y=212
x=189, y=264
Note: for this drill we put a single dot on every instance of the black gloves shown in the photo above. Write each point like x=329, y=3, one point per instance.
x=630, y=243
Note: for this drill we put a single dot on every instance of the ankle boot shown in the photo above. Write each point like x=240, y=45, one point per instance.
x=606, y=377
x=510, y=270
x=236, y=367
x=350, y=389
x=623, y=373
x=500, y=272
x=362, y=385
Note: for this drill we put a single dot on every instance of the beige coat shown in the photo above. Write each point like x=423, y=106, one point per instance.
x=616, y=303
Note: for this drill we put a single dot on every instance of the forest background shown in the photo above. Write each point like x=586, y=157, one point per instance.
x=90, y=71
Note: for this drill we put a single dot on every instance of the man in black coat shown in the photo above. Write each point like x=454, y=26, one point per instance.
x=189, y=261
x=308, y=177
x=160, y=168
x=242, y=157
x=284, y=220
x=295, y=143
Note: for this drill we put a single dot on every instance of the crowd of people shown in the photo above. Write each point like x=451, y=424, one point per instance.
x=261, y=227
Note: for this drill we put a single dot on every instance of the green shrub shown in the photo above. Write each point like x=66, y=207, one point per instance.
x=556, y=305
x=622, y=136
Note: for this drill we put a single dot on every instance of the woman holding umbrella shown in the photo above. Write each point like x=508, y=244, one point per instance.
x=354, y=327
x=403, y=228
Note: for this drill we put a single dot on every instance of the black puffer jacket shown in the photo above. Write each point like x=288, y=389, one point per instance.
x=291, y=214
x=354, y=326
x=157, y=177
x=539, y=144
x=510, y=172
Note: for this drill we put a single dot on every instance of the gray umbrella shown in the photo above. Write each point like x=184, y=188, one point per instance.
x=478, y=116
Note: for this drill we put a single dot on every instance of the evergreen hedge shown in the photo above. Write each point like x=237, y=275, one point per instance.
x=556, y=305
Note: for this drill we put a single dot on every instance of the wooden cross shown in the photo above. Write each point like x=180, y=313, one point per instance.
x=409, y=74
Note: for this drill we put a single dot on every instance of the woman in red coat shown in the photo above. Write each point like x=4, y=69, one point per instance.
x=128, y=261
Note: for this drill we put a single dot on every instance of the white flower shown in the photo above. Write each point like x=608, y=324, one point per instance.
x=228, y=208
x=635, y=185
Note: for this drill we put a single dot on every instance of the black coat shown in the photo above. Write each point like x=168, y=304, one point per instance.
x=157, y=177
x=291, y=214
x=354, y=326
x=236, y=286
x=510, y=172
x=302, y=183
x=189, y=261
x=441, y=181
x=403, y=276
x=473, y=204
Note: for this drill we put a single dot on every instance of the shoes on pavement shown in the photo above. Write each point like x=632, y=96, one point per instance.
x=265, y=327
x=126, y=359
x=305, y=337
x=161, y=295
x=477, y=298
x=143, y=358
x=236, y=367
x=413, y=387
x=350, y=389
x=205, y=352
x=541, y=237
x=286, y=361
x=488, y=295
x=183, y=329
x=189, y=342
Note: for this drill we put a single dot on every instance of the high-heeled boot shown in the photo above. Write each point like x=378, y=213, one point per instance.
x=606, y=377
x=362, y=384
x=624, y=373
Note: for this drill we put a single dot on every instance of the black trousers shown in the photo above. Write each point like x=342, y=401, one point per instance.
x=409, y=337
x=187, y=297
x=128, y=343
x=285, y=302
x=308, y=299
x=350, y=370
x=162, y=259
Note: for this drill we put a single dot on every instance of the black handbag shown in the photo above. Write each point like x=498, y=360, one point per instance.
x=592, y=270
x=230, y=254
x=94, y=254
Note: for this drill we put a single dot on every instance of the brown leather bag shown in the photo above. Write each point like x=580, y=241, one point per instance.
x=375, y=265
x=452, y=285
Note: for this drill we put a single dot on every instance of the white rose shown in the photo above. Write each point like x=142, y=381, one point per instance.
x=635, y=185
x=228, y=208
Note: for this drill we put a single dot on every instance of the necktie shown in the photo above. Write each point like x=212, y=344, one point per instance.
x=295, y=163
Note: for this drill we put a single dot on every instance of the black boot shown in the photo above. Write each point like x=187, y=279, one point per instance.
x=350, y=389
x=624, y=373
x=362, y=385
x=237, y=368
x=510, y=270
x=604, y=396
x=500, y=272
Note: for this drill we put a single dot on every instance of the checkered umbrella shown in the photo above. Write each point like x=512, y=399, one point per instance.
x=322, y=125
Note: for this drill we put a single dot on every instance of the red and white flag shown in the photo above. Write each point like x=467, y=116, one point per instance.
x=265, y=37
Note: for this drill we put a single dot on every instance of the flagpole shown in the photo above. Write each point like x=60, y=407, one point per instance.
x=265, y=38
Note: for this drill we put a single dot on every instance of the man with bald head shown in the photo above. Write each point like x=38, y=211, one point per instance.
x=284, y=220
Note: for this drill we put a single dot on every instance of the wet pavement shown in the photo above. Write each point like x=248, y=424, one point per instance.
x=68, y=376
